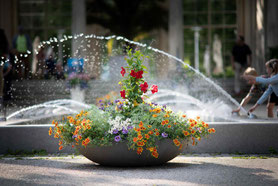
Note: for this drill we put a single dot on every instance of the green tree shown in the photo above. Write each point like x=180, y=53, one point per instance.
x=127, y=18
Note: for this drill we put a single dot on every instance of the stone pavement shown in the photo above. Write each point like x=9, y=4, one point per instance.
x=196, y=169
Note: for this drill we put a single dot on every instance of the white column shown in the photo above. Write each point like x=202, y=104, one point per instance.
x=196, y=47
x=78, y=22
x=176, y=39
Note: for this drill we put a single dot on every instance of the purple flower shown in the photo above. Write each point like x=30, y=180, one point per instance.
x=101, y=104
x=115, y=131
x=116, y=101
x=164, y=135
x=124, y=131
x=100, y=101
x=117, y=138
x=120, y=106
x=129, y=127
x=74, y=136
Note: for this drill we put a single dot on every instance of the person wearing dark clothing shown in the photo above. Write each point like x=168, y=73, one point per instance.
x=241, y=59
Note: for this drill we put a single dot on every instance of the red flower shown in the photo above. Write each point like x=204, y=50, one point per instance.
x=154, y=89
x=122, y=94
x=123, y=72
x=139, y=74
x=133, y=73
x=144, y=87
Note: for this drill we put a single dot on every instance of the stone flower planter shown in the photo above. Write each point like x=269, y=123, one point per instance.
x=119, y=155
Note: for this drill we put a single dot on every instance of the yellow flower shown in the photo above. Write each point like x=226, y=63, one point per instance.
x=154, y=115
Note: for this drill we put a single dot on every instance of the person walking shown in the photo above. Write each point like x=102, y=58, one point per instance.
x=241, y=59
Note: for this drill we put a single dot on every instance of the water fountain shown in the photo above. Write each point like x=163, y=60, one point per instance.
x=181, y=86
x=103, y=64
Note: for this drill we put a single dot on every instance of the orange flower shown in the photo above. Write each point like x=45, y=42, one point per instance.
x=141, y=124
x=157, y=133
x=209, y=130
x=53, y=122
x=72, y=146
x=139, y=150
x=135, y=139
x=166, y=121
x=166, y=116
x=87, y=140
x=180, y=147
x=61, y=147
x=50, y=131
x=88, y=127
x=60, y=142
x=140, y=143
x=155, y=154
x=56, y=135
x=154, y=115
x=149, y=126
x=169, y=126
x=163, y=123
x=193, y=131
x=147, y=136
x=186, y=133
x=212, y=130
x=198, y=117
x=151, y=149
x=79, y=137
x=184, y=116
x=140, y=136
x=143, y=128
x=176, y=142
x=155, y=129
x=150, y=132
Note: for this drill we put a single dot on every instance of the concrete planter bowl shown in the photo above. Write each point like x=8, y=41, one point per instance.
x=119, y=155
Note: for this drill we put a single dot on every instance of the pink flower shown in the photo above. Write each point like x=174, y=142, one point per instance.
x=123, y=72
x=154, y=89
x=122, y=94
x=144, y=87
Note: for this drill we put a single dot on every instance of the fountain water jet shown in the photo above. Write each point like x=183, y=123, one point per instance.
x=95, y=54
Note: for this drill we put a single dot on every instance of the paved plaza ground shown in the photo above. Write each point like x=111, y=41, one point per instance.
x=196, y=169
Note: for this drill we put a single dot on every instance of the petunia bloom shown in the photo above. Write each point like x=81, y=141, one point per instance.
x=139, y=74
x=144, y=87
x=117, y=138
x=164, y=135
x=154, y=89
x=133, y=73
x=123, y=71
x=122, y=94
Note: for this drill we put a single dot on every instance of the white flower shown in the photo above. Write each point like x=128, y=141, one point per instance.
x=118, y=124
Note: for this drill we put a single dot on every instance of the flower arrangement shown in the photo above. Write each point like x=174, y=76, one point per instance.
x=130, y=119
x=78, y=80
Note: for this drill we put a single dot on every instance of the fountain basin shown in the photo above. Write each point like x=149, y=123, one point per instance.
x=119, y=155
x=230, y=137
